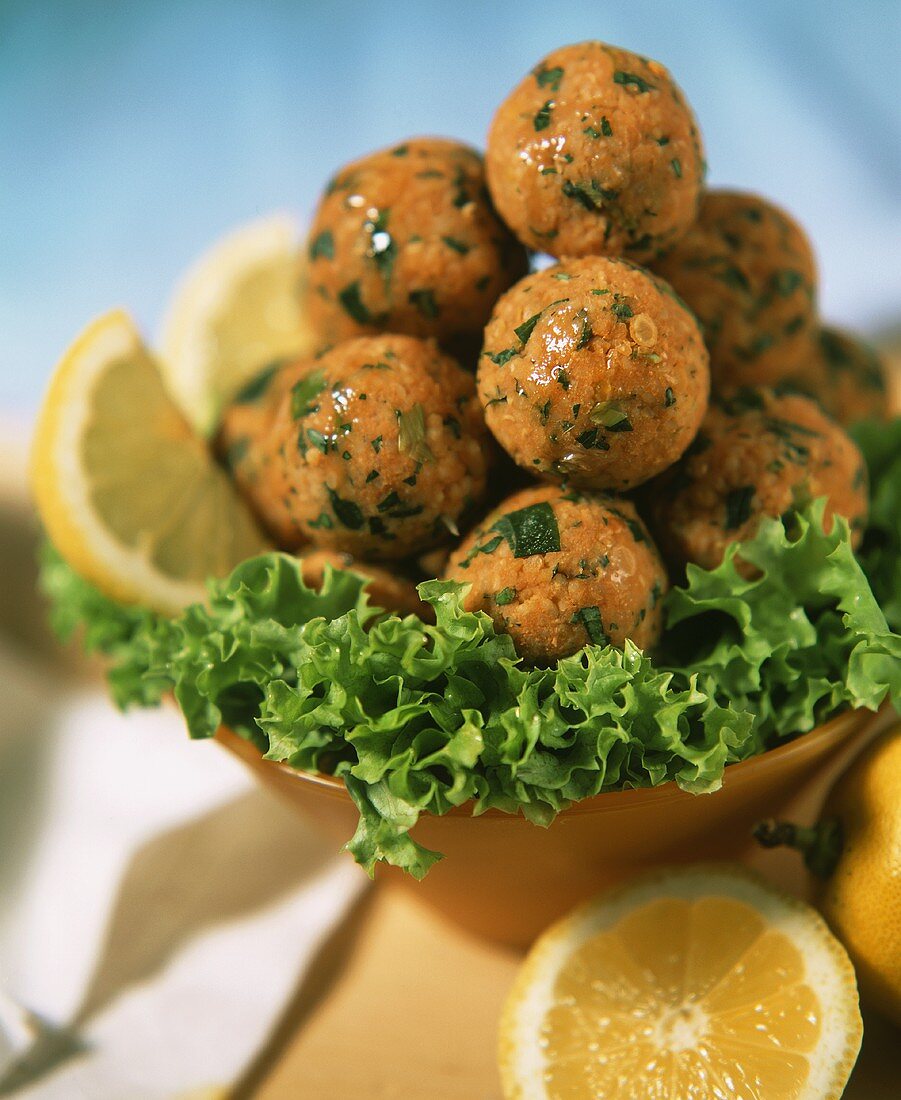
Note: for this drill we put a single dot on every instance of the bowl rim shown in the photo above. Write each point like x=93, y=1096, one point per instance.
x=833, y=730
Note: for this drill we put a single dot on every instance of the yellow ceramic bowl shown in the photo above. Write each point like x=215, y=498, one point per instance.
x=507, y=879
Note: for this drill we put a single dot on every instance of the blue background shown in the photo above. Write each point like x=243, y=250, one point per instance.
x=133, y=134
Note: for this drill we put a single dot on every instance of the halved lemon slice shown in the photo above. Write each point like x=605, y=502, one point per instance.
x=696, y=983
x=239, y=308
x=127, y=492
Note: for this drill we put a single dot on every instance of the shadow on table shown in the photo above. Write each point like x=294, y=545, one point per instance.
x=331, y=960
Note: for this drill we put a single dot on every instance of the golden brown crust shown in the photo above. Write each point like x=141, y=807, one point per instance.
x=596, y=152
x=378, y=448
x=604, y=583
x=594, y=373
x=846, y=377
x=756, y=455
x=747, y=271
x=406, y=240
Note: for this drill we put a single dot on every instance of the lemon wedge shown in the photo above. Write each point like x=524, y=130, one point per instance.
x=238, y=308
x=127, y=492
x=695, y=983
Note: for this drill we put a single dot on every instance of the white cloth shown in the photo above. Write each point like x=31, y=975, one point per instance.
x=153, y=901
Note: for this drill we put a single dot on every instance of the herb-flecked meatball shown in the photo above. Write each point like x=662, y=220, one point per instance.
x=596, y=152
x=406, y=240
x=382, y=446
x=846, y=377
x=556, y=570
x=757, y=454
x=747, y=271
x=243, y=444
x=385, y=589
x=594, y=373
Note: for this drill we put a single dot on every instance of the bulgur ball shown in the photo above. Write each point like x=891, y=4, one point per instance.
x=382, y=445
x=405, y=240
x=556, y=570
x=846, y=377
x=596, y=152
x=386, y=589
x=243, y=444
x=747, y=270
x=757, y=454
x=593, y=373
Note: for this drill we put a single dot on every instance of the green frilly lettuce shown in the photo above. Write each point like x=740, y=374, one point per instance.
x=419, y=718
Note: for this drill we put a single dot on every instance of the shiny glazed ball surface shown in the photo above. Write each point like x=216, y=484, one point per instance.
x=593, y=373
x=406, y=240
x=596, y=152
x=556, y=569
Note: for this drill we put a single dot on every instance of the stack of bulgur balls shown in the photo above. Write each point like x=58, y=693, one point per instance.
x=538, y=433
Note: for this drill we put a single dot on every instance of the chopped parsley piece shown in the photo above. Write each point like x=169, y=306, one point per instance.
x=324, y=520
x=348, y=513
x=549, y=78
x=542, y=119
x=590, y=195
x=605, y=129
x=319, y=441
x=590, y=618
x=677, y=167
x=529, y=531
x=669, y=398
x=304, y=394
x=635, y=529
x=400, y=151
x=734, y=277
x=411, y=435
x=587, y=332
x=662, y=141
x=562, y=377
x=525, y=330
x=593, y=440
x=505, y=596
x=738, y=506
x=609, y=415
x=632, y=80
x=498, y=399
x=622, y=310
x=458, y=246
x=353, y=304
x=372, y=475
x=424, y=300
x=376, y=444
x=322, y=245
x=787, y=281
x=502, y=357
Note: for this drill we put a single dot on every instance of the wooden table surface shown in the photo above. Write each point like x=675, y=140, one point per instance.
x=407, y=1007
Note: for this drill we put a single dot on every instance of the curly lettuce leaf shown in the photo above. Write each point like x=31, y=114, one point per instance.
x=421, y=718
x=880, y=553
x=798, y=642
